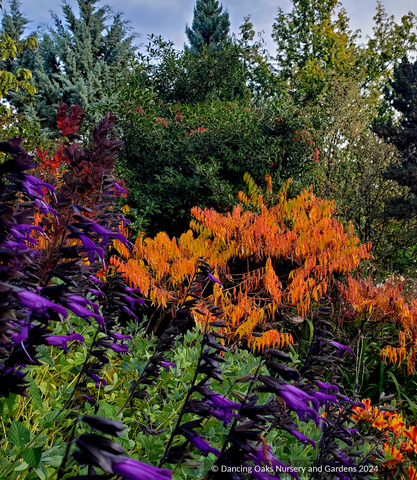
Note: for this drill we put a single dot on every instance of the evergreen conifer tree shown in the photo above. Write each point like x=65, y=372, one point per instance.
x=210, y=26
x=402, y=96
x=77, y=60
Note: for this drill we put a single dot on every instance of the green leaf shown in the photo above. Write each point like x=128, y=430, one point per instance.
x=32, y=456
x=10, y=401
x=19, y=435
x=35, y=393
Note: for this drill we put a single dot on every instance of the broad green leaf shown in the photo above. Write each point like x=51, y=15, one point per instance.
x=32, y=456
x=19, y=435
x=10, y=401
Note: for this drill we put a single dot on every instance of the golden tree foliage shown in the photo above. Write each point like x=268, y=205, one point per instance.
x=271, y=257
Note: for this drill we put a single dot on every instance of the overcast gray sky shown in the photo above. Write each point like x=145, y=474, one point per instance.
x=168, y=17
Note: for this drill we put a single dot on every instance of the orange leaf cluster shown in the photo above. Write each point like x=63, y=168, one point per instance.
x=385, y=303
x=269, y=258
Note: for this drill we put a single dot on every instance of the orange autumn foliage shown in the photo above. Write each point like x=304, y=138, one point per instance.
x=271, y=256
x=385, y=303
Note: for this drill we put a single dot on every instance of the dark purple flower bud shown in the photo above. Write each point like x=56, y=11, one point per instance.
x=33, y=186
x=84, y=302
x=106, y=234
x=120, y=336
x=341, y=348
x=98, y=380
x=105, y=425
x=96, y=280
x=62, y=340
x=39, y=304
x=119, y=190
x=203, y=446
x=95, y=292
x=91, y=248
x=119, y=348
x=127, y=310
x=214, y=279
x=302, y=438
x=22, y=336
x=132, y=301
x=45, y=209
x=166, y=365
x=131, y=469
x=326, y=386
x=130, y=289
x=90, y=400
x=323, y=398
x=84, y=313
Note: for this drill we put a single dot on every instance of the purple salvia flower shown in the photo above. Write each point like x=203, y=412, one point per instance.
x=302, y=438
x=127, y=310
x=120, y=336
x=166, y=365
x=325, y=387
x=131, y=469
x=33, y=186
x=22, y=336
x=106, y=234
x=39, y=304
x=119, y=190
x=214, y=279
x=130, y=289
x=341, y=348
x=97, y=293
x=96, y=280
x=119, y=348
x=203, y=446
x=98, y=380
x=132, y=301
x=45, y=209
x=84, y=313
x=91, y=248
x=84, y=302
x=62, y=340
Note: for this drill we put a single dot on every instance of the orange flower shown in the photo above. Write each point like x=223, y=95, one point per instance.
x=411, y=433
x=412, y=473
x=406, y=447
x=380, y=423
x=396, y=425
x=393, y=452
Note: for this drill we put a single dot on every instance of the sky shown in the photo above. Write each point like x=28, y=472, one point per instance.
x=169, y=17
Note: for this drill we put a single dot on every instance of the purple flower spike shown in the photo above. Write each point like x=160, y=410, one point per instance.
x=214, y=279
x=39, y=304
x=62, y=340
x=132, y=301
x=302, y=438
x=341, y=348
x=204, y=447
x=119, y=190
x=120, y=336
x=127, y=310
x=33, y=186
x=119, y=348
x=91, y=248
x=98, y=380
x=106, y=233
x=84, y=313
x=131, y=469
x=166, y=365
x=96, y=280
x=325, y=387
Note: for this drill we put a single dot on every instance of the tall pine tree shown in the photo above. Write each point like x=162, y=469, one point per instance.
x=77, y=60
x=210, y=26
x=402, y=96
